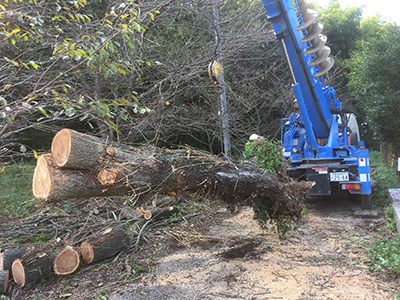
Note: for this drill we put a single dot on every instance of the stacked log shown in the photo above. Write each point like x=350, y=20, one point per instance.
x=105, y=246
x=31, y=268
x=82, y=166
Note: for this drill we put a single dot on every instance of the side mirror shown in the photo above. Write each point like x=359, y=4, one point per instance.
x=364, y=128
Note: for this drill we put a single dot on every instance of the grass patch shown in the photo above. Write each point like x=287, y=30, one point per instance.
x=16, y=198
x=385, y=254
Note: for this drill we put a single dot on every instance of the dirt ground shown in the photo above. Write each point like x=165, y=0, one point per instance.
x=226, y=255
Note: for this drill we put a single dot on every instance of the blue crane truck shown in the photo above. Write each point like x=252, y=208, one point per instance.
x=333, y=156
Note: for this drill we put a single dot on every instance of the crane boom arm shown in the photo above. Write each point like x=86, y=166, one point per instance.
x=303, y=46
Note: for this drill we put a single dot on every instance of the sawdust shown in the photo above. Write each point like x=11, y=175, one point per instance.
x=323, y=259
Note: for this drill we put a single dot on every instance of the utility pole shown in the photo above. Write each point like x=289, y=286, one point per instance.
x=220, y=82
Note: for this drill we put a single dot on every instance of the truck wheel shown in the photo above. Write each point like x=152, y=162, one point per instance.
x=353, y=139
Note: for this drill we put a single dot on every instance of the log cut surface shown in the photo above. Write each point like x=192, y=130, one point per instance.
x=67, y=261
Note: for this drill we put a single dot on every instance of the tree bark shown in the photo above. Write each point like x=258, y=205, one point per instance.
x=4, y=278
x=67, y=261
x=104, y=246
x=147, y=170
x=8, y=256
x=31, y=269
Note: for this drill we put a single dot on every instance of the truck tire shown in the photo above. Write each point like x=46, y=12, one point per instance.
x=354, y=139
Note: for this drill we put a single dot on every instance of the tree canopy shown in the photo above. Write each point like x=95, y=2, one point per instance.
x=374, y=81
x=136, y=71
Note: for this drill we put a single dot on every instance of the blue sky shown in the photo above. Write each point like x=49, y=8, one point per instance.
x=388, y=9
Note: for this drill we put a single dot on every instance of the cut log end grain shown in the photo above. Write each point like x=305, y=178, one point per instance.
x=18, y=272
x=4, y=278
x=61, y=147
x=87, y=252
x=110, y=150
x=106, y=177
x=41, y=183
x=67, y=261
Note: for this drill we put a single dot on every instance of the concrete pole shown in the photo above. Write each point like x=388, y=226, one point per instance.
x=221, y=89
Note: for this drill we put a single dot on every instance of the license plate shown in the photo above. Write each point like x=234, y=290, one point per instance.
x=339, y=176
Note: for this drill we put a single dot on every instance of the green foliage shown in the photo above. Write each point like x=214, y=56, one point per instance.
x=267, y=154
x=16, y=198
x=384, y=178
x=373, y=80
x=390, y=220
x=342, y=27
x=55, y=48
x=385, y=254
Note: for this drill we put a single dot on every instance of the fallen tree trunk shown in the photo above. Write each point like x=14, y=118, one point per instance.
x=105, y=246
x=147, y=170
x=31, y=268
x=67, y=261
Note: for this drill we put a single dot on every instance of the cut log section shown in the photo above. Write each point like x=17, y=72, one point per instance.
x=8, y=256
x=31, y=269
x=53, y=183
x=67, y=261
x=75, y=150
x=4, y=278
x=105, y=246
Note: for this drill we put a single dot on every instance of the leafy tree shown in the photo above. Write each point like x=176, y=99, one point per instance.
x=137, y=71
x=66, y=60
x=374, y=81
x=342, y=27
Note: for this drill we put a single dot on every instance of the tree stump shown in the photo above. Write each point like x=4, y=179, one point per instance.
x=104, y=246
x=67, y=261
x=31, y=269
x=4, y=278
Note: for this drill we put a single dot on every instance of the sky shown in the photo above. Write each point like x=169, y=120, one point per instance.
x=388, y=9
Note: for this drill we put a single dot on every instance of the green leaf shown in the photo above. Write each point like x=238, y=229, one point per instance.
x=43, y=111
x=66, y=295
x=84, y=117
x=106, y=108
x=2, y=100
